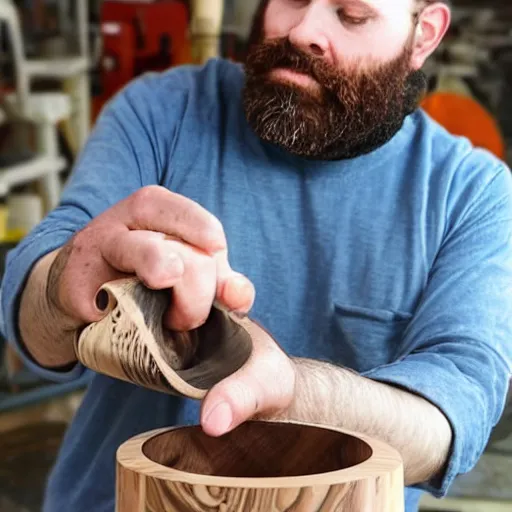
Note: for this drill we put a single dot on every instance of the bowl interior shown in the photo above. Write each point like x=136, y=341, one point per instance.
x=258, y=450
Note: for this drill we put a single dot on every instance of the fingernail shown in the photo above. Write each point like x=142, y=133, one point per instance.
x=220, y=419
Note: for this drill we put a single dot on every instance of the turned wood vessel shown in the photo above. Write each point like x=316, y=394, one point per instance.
x=259, y=467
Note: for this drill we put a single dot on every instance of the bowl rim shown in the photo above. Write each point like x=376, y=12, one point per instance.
x=384, y=460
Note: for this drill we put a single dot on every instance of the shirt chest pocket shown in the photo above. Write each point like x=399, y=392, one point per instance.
x=367, y=337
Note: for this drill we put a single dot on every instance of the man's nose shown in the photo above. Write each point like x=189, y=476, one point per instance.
x=310, y=33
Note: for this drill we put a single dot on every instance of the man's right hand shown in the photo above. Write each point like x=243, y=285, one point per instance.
x=167, y=241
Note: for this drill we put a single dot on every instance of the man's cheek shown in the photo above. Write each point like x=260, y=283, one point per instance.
x=279, y=21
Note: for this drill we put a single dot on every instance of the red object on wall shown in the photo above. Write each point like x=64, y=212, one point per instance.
x=139, y=37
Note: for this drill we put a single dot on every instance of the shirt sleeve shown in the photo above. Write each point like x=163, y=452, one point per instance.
x=126, y=150
x=457, y=350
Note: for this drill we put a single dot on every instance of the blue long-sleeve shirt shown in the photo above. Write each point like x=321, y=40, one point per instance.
x=397, y=264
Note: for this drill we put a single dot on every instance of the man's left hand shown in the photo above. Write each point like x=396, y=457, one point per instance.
x=263, y=388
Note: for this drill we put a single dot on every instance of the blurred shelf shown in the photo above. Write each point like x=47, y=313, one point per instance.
x=25, y=172
x=58, y=68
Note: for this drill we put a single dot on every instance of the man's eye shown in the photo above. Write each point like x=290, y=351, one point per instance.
x=351, y=20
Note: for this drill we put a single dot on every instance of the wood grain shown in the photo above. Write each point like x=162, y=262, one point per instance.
x=130, y=343
x=261, y=467
x=130, y=487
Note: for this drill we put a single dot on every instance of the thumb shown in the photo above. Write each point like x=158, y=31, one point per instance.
x=229, y=404
x=264, y=386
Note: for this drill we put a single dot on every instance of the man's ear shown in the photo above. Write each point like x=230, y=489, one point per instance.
x=433, y=23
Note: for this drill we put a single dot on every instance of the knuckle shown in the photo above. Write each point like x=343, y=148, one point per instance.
x=150, y=270
x=155, y=266
x=216, y=231
x=155, y=201
x=188, y=212
x=144, y=197
x=216, y=224
x=139, y=202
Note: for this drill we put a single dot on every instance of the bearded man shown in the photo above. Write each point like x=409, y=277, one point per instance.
x=308, y=191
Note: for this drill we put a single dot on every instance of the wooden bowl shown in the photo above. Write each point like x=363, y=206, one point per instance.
x=260, y=467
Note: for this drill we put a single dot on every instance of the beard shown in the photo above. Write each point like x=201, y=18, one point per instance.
x=348, y=113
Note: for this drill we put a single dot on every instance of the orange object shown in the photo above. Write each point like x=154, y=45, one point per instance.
x=464, y=116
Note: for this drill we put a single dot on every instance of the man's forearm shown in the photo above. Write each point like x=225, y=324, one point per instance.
x=338, y=397
x=46, y=335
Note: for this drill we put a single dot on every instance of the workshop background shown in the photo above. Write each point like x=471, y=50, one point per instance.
x=61, y=60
